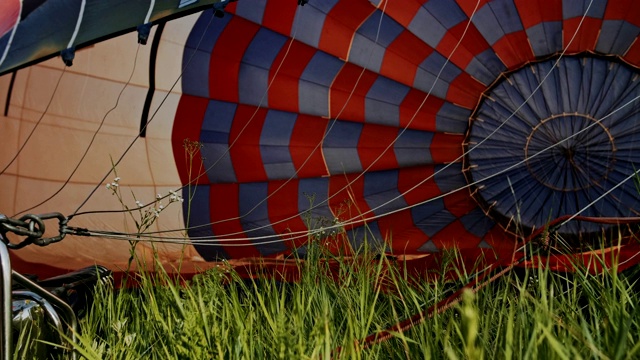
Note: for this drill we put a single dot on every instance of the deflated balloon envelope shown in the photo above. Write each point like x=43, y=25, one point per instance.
x=415, y=126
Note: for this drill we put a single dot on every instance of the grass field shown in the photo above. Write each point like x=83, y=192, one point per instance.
x=534, y=314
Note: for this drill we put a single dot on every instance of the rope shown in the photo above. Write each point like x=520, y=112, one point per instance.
x=93, y=138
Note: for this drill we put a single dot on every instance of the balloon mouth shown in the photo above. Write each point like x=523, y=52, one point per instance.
x=582, y=159
x=554, y=138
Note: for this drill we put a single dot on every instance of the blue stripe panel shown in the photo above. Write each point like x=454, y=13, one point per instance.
x=545, y=38
x=340, y=147
x=435, y=67
x=274, y=144
x=380, y=190
x=381, y=31
x=309, y=21
x=412, y=148
x=4, y=41
x=198, y=208
x=371, y=40
x=427, y=27
x=496, y=19
x=382, y=103
x=204, y=35
x=449, y=178
x=477, y=222
x=315, y=80
x=578, y=8
x=507, y=15
x=251, y=10
x=215, y=139
x=431, y=217
x=485, y=21
x=313, y=201
x=486, y=67
x=447, y=12
x=452, y=119
x=369, y=233
x=255, y=216
x=428, y=247
x=616, y=36
x=323, y=7
x=366, y=53
x=436, y=222
x=253, y=79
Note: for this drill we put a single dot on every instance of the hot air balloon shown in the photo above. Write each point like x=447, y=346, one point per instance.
x=412, y=126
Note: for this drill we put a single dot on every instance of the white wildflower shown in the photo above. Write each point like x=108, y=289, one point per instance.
x=128, y=339
x=119, y=325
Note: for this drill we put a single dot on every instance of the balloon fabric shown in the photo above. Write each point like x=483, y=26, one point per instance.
x=256, y=129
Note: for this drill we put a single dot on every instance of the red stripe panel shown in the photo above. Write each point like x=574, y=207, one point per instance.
x=469, y=5
x=282, y=205
x=304, y=146
x=341, y=23
x=459, y=203
x=226, y=58
x=244, y=140
x=425, y=118
x=279, y=17
x=633, y=54
x=502, y=241
x=9, y=15
x=344, y=104
x=587, y=34
x=231, y=7
x=455, y=235
x=409, y=177
x=472, y=44
x=623, y=10
x=187, y=126
x=535, y=12
x=224, y=210
x=283, y=93
x=446, y=148
x=465, y=91
x=374, y=139
x=400, y=233
x=404, y=11
x=514, y=49
x=347, y=200
x=402, y=58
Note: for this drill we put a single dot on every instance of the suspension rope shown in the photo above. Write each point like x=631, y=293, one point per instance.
x=93, y=138
x=126, y=151
x=220, y=238
x=26, y=141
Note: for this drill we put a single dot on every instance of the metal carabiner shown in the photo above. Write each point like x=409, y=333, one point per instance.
x=62, y=229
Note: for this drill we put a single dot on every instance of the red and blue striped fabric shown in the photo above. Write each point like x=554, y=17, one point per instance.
x=359, y=112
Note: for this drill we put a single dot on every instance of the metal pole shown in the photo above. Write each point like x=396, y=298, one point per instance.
x=6, y=347
x=67, y=311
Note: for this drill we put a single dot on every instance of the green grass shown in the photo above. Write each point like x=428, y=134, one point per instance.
x=535, y=314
